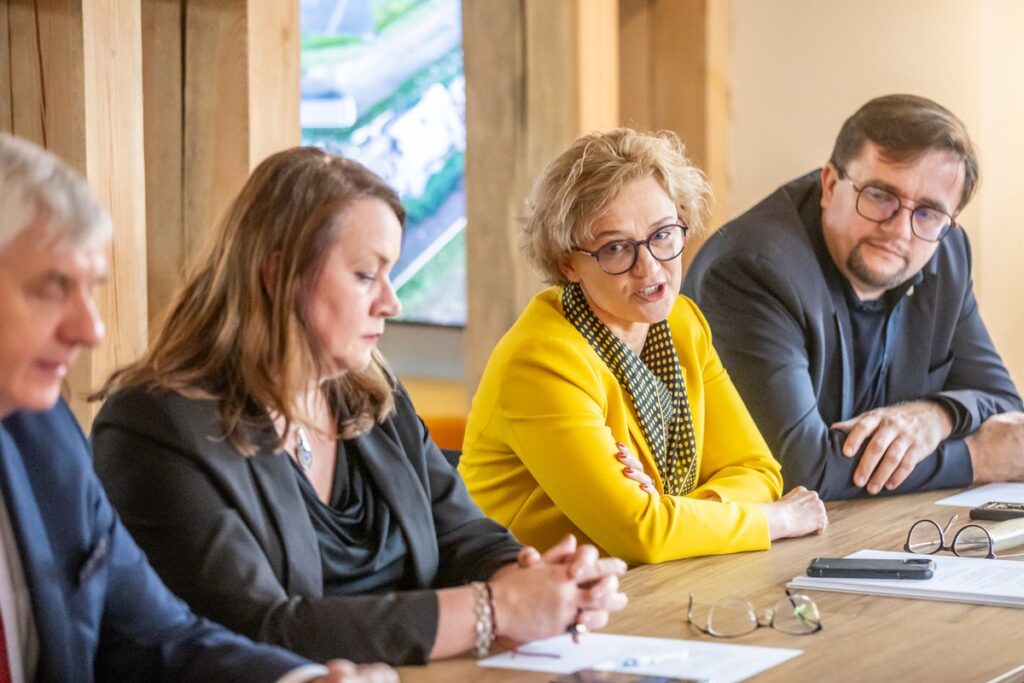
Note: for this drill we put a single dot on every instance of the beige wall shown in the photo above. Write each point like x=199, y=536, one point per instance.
x=799, y=68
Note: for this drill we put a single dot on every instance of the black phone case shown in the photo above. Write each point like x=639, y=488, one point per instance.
x=841, y=568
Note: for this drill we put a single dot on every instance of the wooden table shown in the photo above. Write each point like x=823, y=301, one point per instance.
x=865, y=638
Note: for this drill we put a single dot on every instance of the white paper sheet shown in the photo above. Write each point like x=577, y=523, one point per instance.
x=1002, y=493
x=956, y=579
x=715, y=662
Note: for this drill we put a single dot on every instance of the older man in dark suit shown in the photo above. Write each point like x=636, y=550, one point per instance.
x=78, y=601
x=843, y=307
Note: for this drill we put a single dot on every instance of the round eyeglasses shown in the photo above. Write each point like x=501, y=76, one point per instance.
x=927, y=538
x=795, y=614
x=879, y=205
x=618, y=257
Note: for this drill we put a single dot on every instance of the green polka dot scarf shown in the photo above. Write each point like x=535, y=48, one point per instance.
x=655, y=384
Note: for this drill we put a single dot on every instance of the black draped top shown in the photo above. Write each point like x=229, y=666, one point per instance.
x=362, y=548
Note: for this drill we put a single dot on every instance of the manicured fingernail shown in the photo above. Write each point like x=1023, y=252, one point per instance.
x=628, y=470
x=620, y=456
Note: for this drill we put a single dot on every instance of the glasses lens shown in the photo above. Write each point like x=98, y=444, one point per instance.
x=668, y=242
x=616, y=257
x=877, y=204
x=796, y=614
x=731, y=617
x=930, y=224
x=972, y=541
x=925, y=538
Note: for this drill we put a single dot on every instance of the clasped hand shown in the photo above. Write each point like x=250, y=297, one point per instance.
x=898, y=438
x=543, y=594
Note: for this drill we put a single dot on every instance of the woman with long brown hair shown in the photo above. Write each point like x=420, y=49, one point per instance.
x=274, y=469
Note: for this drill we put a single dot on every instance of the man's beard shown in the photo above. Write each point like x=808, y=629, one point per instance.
x=856, y=265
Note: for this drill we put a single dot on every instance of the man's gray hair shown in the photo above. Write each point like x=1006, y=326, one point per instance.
x=36, y=187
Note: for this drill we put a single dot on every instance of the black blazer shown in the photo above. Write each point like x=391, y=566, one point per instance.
x=781, y=322
x=231, y=535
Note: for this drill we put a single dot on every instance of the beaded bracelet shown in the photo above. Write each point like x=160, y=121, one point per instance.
x=486, y=625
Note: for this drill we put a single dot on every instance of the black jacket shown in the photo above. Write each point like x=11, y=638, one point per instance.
x=231, y=534
x=781, y=323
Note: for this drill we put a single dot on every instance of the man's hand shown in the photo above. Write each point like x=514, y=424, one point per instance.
x=898, y=437
x=997, y=449
x=344, y=671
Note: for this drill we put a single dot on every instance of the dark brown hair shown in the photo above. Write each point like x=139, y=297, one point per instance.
x=227, y=338
x=904, y=127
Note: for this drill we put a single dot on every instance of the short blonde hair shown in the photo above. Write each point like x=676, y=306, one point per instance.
x=576, y=188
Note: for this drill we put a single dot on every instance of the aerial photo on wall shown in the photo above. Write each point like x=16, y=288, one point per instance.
x=382, y=83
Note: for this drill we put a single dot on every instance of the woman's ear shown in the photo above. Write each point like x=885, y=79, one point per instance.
x=568, y=269
x=270, y=271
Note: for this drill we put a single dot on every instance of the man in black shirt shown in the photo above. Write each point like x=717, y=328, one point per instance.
x=843, y=307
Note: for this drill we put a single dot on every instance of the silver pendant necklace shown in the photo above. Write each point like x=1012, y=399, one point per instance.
x=302, y=449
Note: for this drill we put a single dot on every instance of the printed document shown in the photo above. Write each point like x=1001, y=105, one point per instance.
x=713, y=662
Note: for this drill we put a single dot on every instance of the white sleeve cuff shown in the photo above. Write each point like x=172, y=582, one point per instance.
x=303, y=674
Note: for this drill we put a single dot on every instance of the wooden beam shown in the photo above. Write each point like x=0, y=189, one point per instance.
x=538, y=74
x=673, y=74
x=5, y=70
x=163, y=110
x=75, y=87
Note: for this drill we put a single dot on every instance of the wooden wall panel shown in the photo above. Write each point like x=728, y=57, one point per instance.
x=273, y=77
x=5, y=70
x=75, y=87
x=216, y=96
x=163, y=112
x=112, y=51
x=222, y=93
x=673, y=74
x=221, y=85
x=528, y=96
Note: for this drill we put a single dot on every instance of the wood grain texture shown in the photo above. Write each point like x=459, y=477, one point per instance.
x=27, y=98
x=216, y=113
x=865, y=638
x=163, y=112
x=273, y=77
x=111, y=37
x=528, y=96
x=76, y=89
x=673, y=74
x=6, y=91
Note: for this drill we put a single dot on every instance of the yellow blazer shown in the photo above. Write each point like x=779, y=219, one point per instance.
x=539, y=452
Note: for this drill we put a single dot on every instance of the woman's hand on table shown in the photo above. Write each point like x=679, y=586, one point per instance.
x=798, y=513
x=545, y=593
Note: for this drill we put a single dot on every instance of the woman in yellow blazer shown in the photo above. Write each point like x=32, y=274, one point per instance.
x=611, y=362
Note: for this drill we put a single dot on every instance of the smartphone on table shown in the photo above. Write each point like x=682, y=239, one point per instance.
x=998, y=511
x=863, y=568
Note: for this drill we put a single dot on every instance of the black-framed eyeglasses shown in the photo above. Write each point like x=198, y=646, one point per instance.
x=795, y=614
x=879, y=205
x=927, y=538
x=618, y=257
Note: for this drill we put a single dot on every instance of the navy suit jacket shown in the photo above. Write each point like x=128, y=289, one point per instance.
x=100, y=610
x=775, y=302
